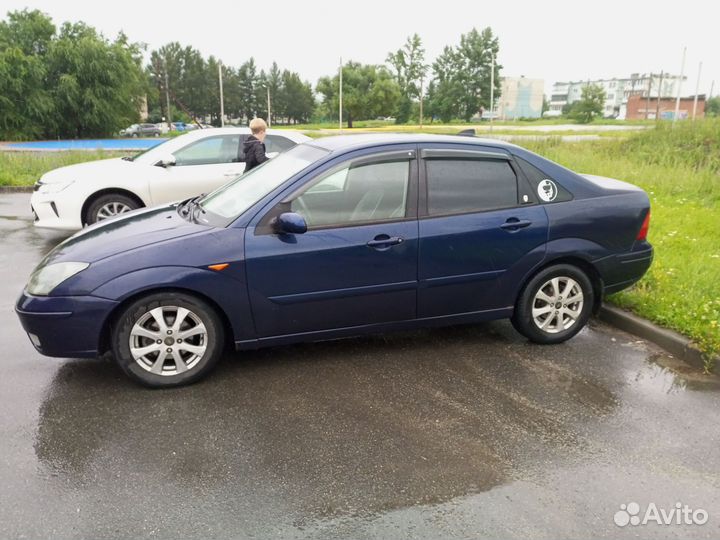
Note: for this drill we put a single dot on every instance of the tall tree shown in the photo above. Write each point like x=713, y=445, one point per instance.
x=446, y=92
x=277, y=98
x=298, y=96
x=29, y=31
x=247, y=82
x=462, y=76
x=408, y=63
x=478, y=51
x=96, y=85
x=25, y=102
x=368, y=91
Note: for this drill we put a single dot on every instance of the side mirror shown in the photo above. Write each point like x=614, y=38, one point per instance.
x=166, y=161
x=290, y=223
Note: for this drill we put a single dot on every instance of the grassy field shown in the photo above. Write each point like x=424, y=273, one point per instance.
x=678, y=167
x=26, y=168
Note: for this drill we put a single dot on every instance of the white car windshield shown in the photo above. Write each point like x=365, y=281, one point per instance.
x=232, y=199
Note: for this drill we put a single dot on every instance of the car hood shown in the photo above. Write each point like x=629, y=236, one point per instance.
x=124, y=234
x=88, y=171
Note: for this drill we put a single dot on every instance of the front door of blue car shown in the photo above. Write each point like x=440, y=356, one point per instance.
x=356, y=264
x=481, y=231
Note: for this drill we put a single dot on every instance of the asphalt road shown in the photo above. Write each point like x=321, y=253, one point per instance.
x=464, y=432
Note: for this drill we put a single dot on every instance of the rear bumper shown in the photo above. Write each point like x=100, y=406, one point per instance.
x=619, y=272
x=64, y=326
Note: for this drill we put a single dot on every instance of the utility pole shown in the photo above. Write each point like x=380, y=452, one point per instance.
x=269, y=122
x=647, y=101
x=492, y=87
x=697, y=89
x=167, y=97
x=340, y=96
x=657, y=105
x=712, y=87
x=677, y=99
x=222, y=101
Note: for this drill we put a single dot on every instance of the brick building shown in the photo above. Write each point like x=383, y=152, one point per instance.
x=637, y=108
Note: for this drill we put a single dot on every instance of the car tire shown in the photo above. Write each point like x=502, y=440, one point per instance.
x=109, y=205
x=143, y=332
x=542, y=311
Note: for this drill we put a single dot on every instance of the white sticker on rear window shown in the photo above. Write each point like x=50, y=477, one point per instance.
x=547, y=190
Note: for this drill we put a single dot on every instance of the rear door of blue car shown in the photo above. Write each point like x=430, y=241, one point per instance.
x=481, y=230
x=356, y=264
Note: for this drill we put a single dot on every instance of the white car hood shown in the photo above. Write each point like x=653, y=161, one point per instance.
x=88, y=171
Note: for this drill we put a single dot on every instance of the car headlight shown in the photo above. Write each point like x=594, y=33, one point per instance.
x=55, y=187
x=45, y=279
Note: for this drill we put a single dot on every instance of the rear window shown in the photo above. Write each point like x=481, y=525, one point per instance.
x=459, y=186
x=545, y=189
x=277, y=143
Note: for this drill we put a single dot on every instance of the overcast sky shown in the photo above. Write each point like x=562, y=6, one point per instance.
x=551, y=40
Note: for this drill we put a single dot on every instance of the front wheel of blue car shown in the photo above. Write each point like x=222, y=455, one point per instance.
x=167, y=339
x=554, y=305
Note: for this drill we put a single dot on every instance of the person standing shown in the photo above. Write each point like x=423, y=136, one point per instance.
x=254, y=147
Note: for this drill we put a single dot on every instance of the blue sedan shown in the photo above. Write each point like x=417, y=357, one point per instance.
x=338, y=237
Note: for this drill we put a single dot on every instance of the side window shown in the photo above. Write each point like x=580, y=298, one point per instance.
x=459, y=186
x=545, y=189
x=219, y=149
x=360, y=193
x=277, y=143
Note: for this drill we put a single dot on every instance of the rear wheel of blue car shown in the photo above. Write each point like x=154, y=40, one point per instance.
x=554, y=305
x=167, y=339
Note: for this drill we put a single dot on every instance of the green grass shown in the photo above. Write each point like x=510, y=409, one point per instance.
x=682, y=288
x=26, y=168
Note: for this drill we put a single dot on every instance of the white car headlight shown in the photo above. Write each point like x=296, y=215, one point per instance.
x=55, y=187
x=45, y=279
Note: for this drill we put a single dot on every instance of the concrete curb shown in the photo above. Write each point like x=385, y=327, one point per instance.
x=676, y=344
x=16, y=189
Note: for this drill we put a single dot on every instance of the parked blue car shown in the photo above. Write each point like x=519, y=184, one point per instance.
x=338, y=237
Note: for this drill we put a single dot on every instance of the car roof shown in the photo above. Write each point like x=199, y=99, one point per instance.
x=294, y=136
x=363, y=140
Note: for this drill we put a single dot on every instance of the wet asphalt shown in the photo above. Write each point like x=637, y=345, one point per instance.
x=462, y=432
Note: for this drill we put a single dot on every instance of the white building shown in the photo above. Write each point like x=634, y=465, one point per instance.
x=520, y=97
x=617, y=91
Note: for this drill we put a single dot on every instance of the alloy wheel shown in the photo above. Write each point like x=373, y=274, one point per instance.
x=112, y=209
x=557, y=305
x=168, y=340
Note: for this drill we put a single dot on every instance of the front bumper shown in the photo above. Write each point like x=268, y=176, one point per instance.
x=64, y=326
x=53, y=211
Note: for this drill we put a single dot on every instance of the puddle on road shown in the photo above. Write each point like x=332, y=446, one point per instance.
x=663, y=373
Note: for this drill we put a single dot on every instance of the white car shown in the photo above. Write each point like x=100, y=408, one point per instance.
x=198, y=162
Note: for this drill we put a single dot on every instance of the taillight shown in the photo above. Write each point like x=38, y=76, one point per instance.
x=642, y=235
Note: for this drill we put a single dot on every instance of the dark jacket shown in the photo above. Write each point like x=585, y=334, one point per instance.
x=254, y=150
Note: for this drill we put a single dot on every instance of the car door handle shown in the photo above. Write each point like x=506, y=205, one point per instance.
x=383, y=241
x=514, y=224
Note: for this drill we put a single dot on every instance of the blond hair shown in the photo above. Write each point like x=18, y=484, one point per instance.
x=257, y=125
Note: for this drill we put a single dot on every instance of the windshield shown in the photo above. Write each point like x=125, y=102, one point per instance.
x=232, y=199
